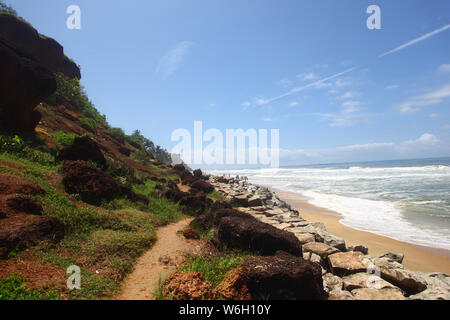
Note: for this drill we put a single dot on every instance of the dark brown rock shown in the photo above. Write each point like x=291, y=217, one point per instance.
x=25, y=205
x=196, y=204
x=25, y=39
x=248, y=233
x=93, y=184
x=83, y=148
x=198, y=173
x=190, y=233
x=284, y=277
x=28, y=232
x=201, y=185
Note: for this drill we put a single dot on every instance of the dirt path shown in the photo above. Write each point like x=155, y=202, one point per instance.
x=160, y=261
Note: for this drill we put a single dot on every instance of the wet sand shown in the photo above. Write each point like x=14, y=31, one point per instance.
x=417, y=258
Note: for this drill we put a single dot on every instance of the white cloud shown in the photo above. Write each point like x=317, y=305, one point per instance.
x=268, y=119
x=350, y=106
x=417, y=40
x=285, y=82
x=446, y=127
x=293, y=104
x=246, y=104
x=307, y=76
x=171, y=61
x=392, y=87
x=425, y=145
x=445, y=68
x=434, y=97
x=350, y=95
x=425, y=139
x=434, y=115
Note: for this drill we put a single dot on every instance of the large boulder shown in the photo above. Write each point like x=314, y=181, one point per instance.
x=346, y=263
x=26, y=231
x=24, y=83
x=364, y=280
x=284, y=277
x=21, y=36
x=202, y=185
x=320, y=249
x=94, y=185
x=83, y=148
x=29, y=62
x=248, y=233
x=195, y=204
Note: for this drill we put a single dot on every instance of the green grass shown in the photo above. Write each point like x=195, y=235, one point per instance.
x=14, y=288
x=63, y=138
x=96, y=237
x=91, y=123
x=215, y=195
x=214, y=268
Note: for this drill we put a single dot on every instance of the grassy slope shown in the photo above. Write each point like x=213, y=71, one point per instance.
x=104, y=241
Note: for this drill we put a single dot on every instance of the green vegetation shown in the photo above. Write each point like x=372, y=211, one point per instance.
x=72, y=91
x=14, y=288
x=63, y=138
x=90, y=123
x=214, y=268
x=96, y=238
x=6, y=9
x=158, y=152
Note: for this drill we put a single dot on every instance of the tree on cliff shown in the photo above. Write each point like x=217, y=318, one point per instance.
x=4, y=8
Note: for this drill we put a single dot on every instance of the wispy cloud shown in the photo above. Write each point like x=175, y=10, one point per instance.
x=171, y=61
x=392, y=87
x=365, y=151
x=261, y=101
x=307, y=76
x=445, y=68
x=415, y=103
x=348, y=116
x=415, y=41
x=293, y=104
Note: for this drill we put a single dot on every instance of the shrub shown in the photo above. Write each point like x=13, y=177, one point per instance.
x=90, y=123
x=4, y=8
x=64, y=138
x=11, y=144
x=72, y=91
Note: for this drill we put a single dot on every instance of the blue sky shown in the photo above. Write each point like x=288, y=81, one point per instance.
x=158, y=66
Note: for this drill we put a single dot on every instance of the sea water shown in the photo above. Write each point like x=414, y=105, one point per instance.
x=407, y=200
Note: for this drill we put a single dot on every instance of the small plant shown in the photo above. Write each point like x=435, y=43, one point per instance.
x=14, y=288
x=63, y=138
x=90, y=123
x=214, y=269
x=12, y=144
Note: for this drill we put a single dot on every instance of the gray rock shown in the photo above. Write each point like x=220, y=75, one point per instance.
x=397, y=257
x=334, y=241
x=331, y=282
x=359, y=248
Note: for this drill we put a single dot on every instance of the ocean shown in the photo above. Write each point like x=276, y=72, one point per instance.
x=407, y=200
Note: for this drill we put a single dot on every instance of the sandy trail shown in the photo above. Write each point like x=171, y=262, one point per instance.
x=160, y=261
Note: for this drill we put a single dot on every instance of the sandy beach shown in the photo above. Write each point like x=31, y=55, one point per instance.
x=418, y=258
